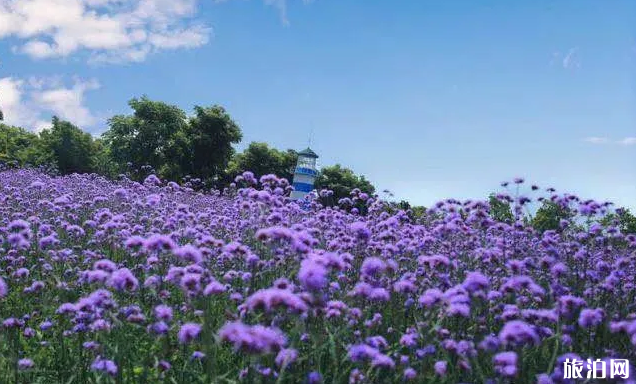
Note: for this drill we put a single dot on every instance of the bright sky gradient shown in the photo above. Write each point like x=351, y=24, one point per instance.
x=429, y=99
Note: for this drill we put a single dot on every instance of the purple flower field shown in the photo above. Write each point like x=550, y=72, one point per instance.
x=130, y=282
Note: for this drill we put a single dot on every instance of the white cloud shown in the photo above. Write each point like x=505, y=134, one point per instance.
x=11, y=103
x=597, y=140
x=104, y=28
x=568, y=60
x=41, y=125
x=280, y=5
x=605, y=140
x=68, y=103
x=188, y=38
x=29, y=103
x=628, y=141
x=108, y=30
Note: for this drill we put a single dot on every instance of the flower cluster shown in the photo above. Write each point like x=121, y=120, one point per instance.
x=126, y=282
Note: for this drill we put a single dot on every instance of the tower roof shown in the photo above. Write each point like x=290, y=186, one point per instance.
x=308, y=153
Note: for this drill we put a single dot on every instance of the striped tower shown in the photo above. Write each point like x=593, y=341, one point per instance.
x=304, y=174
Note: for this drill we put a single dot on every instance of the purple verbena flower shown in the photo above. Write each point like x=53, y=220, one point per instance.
x=189, y=332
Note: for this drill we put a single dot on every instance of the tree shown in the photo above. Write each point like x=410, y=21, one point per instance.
x=160, y=135
x=549, y=216
x=70, y=147
x=261, y=159
x=211, y=135
x=341, y=181
x=621, y=218
x=415, y=213
x=143, y=138
x=500, y=210
x=21, y=147
x=102, y=161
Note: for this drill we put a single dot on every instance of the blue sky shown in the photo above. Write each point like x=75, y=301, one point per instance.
x=429, y=99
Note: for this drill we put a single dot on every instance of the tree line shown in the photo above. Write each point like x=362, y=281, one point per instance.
x=161, y=138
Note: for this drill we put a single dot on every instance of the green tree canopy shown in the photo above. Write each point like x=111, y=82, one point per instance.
x=72, y=149
x=500, y=210
x=161, y=136
x=549, y=216
x=102, y=161
x=212, y=132
x=621, y=218
x=21, y=146
x=341, y=181
x=262, y=160
x=143, y=138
